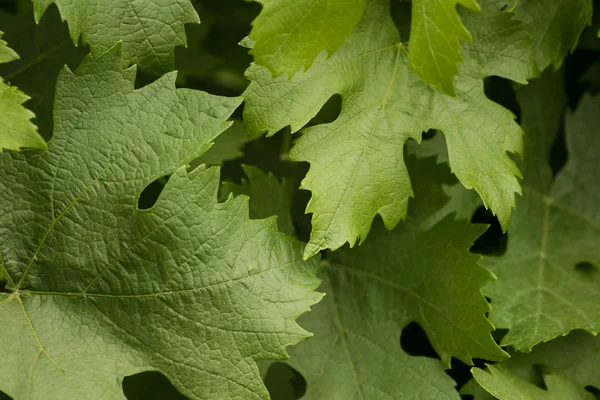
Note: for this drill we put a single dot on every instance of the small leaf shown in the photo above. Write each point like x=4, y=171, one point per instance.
x=435, y=34
x=289, y=35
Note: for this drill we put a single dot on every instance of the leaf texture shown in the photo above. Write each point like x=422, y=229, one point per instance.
x=149, y=30
x=98, y=289
x=357, y=167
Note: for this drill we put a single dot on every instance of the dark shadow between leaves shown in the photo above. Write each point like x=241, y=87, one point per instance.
x=150, y=385
x=151, y=193
x=493, y=242
x=501, y=91
x=284, y=382
x=594, y=391
x=414, y=341
x=330, y=111
x=586, y=269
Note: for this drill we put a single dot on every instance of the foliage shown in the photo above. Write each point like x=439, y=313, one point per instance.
x=158, y=240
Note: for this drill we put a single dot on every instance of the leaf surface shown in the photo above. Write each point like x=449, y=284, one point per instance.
x=288, y=35
x=98, y=289
x=357, y=167
x=149, y=30
x=435, y=34
x=414, y=273
x=548, y=280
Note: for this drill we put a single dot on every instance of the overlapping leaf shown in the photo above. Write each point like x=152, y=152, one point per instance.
x=567, y=365
x=288, y=35
x=149, y=30
x=414, y=273
x=44, y=49
x=357, y=168
x=97, y=289
x=17, y=130
x=435, y=34
x=548, y=281
x=268, y=197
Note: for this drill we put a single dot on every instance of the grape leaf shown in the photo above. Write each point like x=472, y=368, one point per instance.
x=357, y=168
x=543, y=290
x=435, y=32
x=267, y=195
x=150, y=30
x=290, y=35
x=18, y=131
x=506, y=386
x=98, y=289
x=556, y=26
x=576, y=357
x=374, y=291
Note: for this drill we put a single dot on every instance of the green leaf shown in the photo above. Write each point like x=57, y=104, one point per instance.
x=18, y=132
x=267, y=197
x=413, y=273
x=435, y=34
x=506, y=386
x=149, y=30
x=544, y=288
x=575, y=358
x=98, y=289
x=6, y=53
x=357, y=168
x=290, y=35
x=556, y=26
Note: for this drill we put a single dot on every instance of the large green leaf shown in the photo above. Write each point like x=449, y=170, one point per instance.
x=574, y=361
x=357, y=168
x=150, y=30
x=98, y=289
x=17, y=130
x=544, y=288
x=414, y=273
x=288, y=35
x=435, y=34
